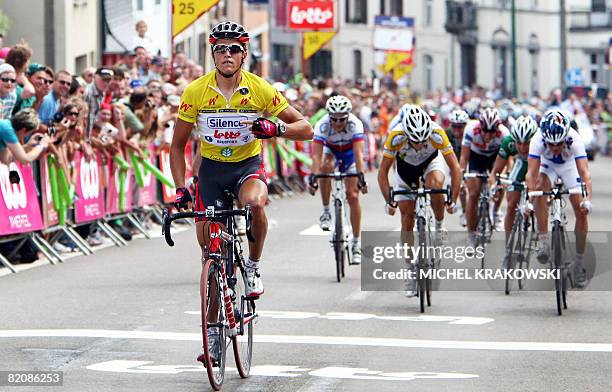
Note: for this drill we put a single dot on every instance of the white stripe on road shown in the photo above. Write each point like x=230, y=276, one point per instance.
x=358, y=295
x=322, y=340
x=315, y=230
x=330, y=372
x=345, y=316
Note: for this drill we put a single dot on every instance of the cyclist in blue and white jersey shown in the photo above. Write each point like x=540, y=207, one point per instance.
x=339, y=140
x=558, y=152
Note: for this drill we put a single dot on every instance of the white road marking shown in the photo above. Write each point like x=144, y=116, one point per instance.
x=119, y=366
x=315, y=230
x=322, y=340
x=288, y=315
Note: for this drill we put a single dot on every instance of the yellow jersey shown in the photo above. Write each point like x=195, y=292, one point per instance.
x=218, y=119
x=397, y=146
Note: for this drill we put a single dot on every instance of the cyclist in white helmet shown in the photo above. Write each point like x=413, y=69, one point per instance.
x=558, y=152
x=514, y=147
x=339, y=142
x=458, y=120
x=417, y=149
x=481, y=142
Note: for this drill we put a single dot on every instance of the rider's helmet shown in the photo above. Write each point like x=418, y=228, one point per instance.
x=523, y=129
x=489, y=119
x=416, y=124
x=338, y=104
x=228, y=30
x=459, y=117
x=555, y=126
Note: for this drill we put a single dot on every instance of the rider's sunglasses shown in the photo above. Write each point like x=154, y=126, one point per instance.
x=233, y=48
x=338, y=119
x=555, y=144
x=457, y=126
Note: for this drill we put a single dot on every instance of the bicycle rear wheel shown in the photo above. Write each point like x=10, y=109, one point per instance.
x=212, y=302
x=244, y=311
x=510, y=253
x=339, y=240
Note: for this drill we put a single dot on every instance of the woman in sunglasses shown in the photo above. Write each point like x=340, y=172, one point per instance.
x=8, y=96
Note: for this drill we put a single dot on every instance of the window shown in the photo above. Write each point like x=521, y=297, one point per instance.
x=358, y=72
x=202, y=44
x=396, y=8
x=428, y=68
x=157, y=2
x=598, y=5
x=356, y=11
x=80, y=63
x=139, y=5
x=534, y=4
x=382, y=7
x=428, y=10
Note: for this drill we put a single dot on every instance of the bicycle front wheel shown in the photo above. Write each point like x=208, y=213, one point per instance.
x=339, y=240
x=244, y=311
x=557, y=263
x=212, y=308
x=422, y=265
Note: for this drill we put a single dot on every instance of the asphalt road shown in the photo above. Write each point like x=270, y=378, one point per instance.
x=126, y=320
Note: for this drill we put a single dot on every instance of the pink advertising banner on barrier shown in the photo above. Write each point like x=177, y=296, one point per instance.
x=112, y=192
x=19, y=207
x=168, y=193
x=147, y=195
x=90, y=201
x=50, y=217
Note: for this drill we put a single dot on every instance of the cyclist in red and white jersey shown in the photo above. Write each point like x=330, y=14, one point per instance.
x=481, y=142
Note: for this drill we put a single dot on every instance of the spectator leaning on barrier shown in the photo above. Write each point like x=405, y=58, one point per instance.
x=11, y=131
x=95, y=92
x=8, y=95
x=52, y=101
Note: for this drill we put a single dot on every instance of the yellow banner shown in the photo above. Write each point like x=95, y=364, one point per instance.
x=401, y=70
x=185, y=12
x=314, y=40
x=394, y=59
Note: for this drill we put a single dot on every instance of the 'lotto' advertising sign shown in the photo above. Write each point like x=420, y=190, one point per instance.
x=312, y=15
x=89, y=204
x=19, y=208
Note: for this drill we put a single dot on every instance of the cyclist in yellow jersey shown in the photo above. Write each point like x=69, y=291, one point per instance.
x=227, y=107
x=416, y=148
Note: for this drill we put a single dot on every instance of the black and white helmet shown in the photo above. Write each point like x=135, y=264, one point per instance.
x=228, y=30
x=416, y=124
x=489, y=119
x=338, y=104
x=459, y=117
x=523, y=129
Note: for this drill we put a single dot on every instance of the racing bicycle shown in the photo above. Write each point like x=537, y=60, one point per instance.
x=484, y=228
x=341, y=236
x=558, y=238
x=224, y=304
x=523, y=236
x=424, y=223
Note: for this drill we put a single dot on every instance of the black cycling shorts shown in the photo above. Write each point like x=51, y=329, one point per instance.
x=479, y=163
x=214, y=178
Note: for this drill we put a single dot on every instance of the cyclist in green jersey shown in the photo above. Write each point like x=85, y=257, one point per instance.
x=514, y=145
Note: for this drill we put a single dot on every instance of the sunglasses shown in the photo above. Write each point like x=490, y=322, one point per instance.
x=46, y=81
x=457, y=126
x=8, y=80
x=233, y=48
x=72, y=114
x=338, y=119
x=64, y=83
x=555, y=144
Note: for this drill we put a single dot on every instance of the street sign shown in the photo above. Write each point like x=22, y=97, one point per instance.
x=186, y=12
x=312, y=15
x=574, y=78
x=393, y=33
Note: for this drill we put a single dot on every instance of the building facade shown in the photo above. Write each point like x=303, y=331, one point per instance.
x=64, y=34
x=474, y=49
